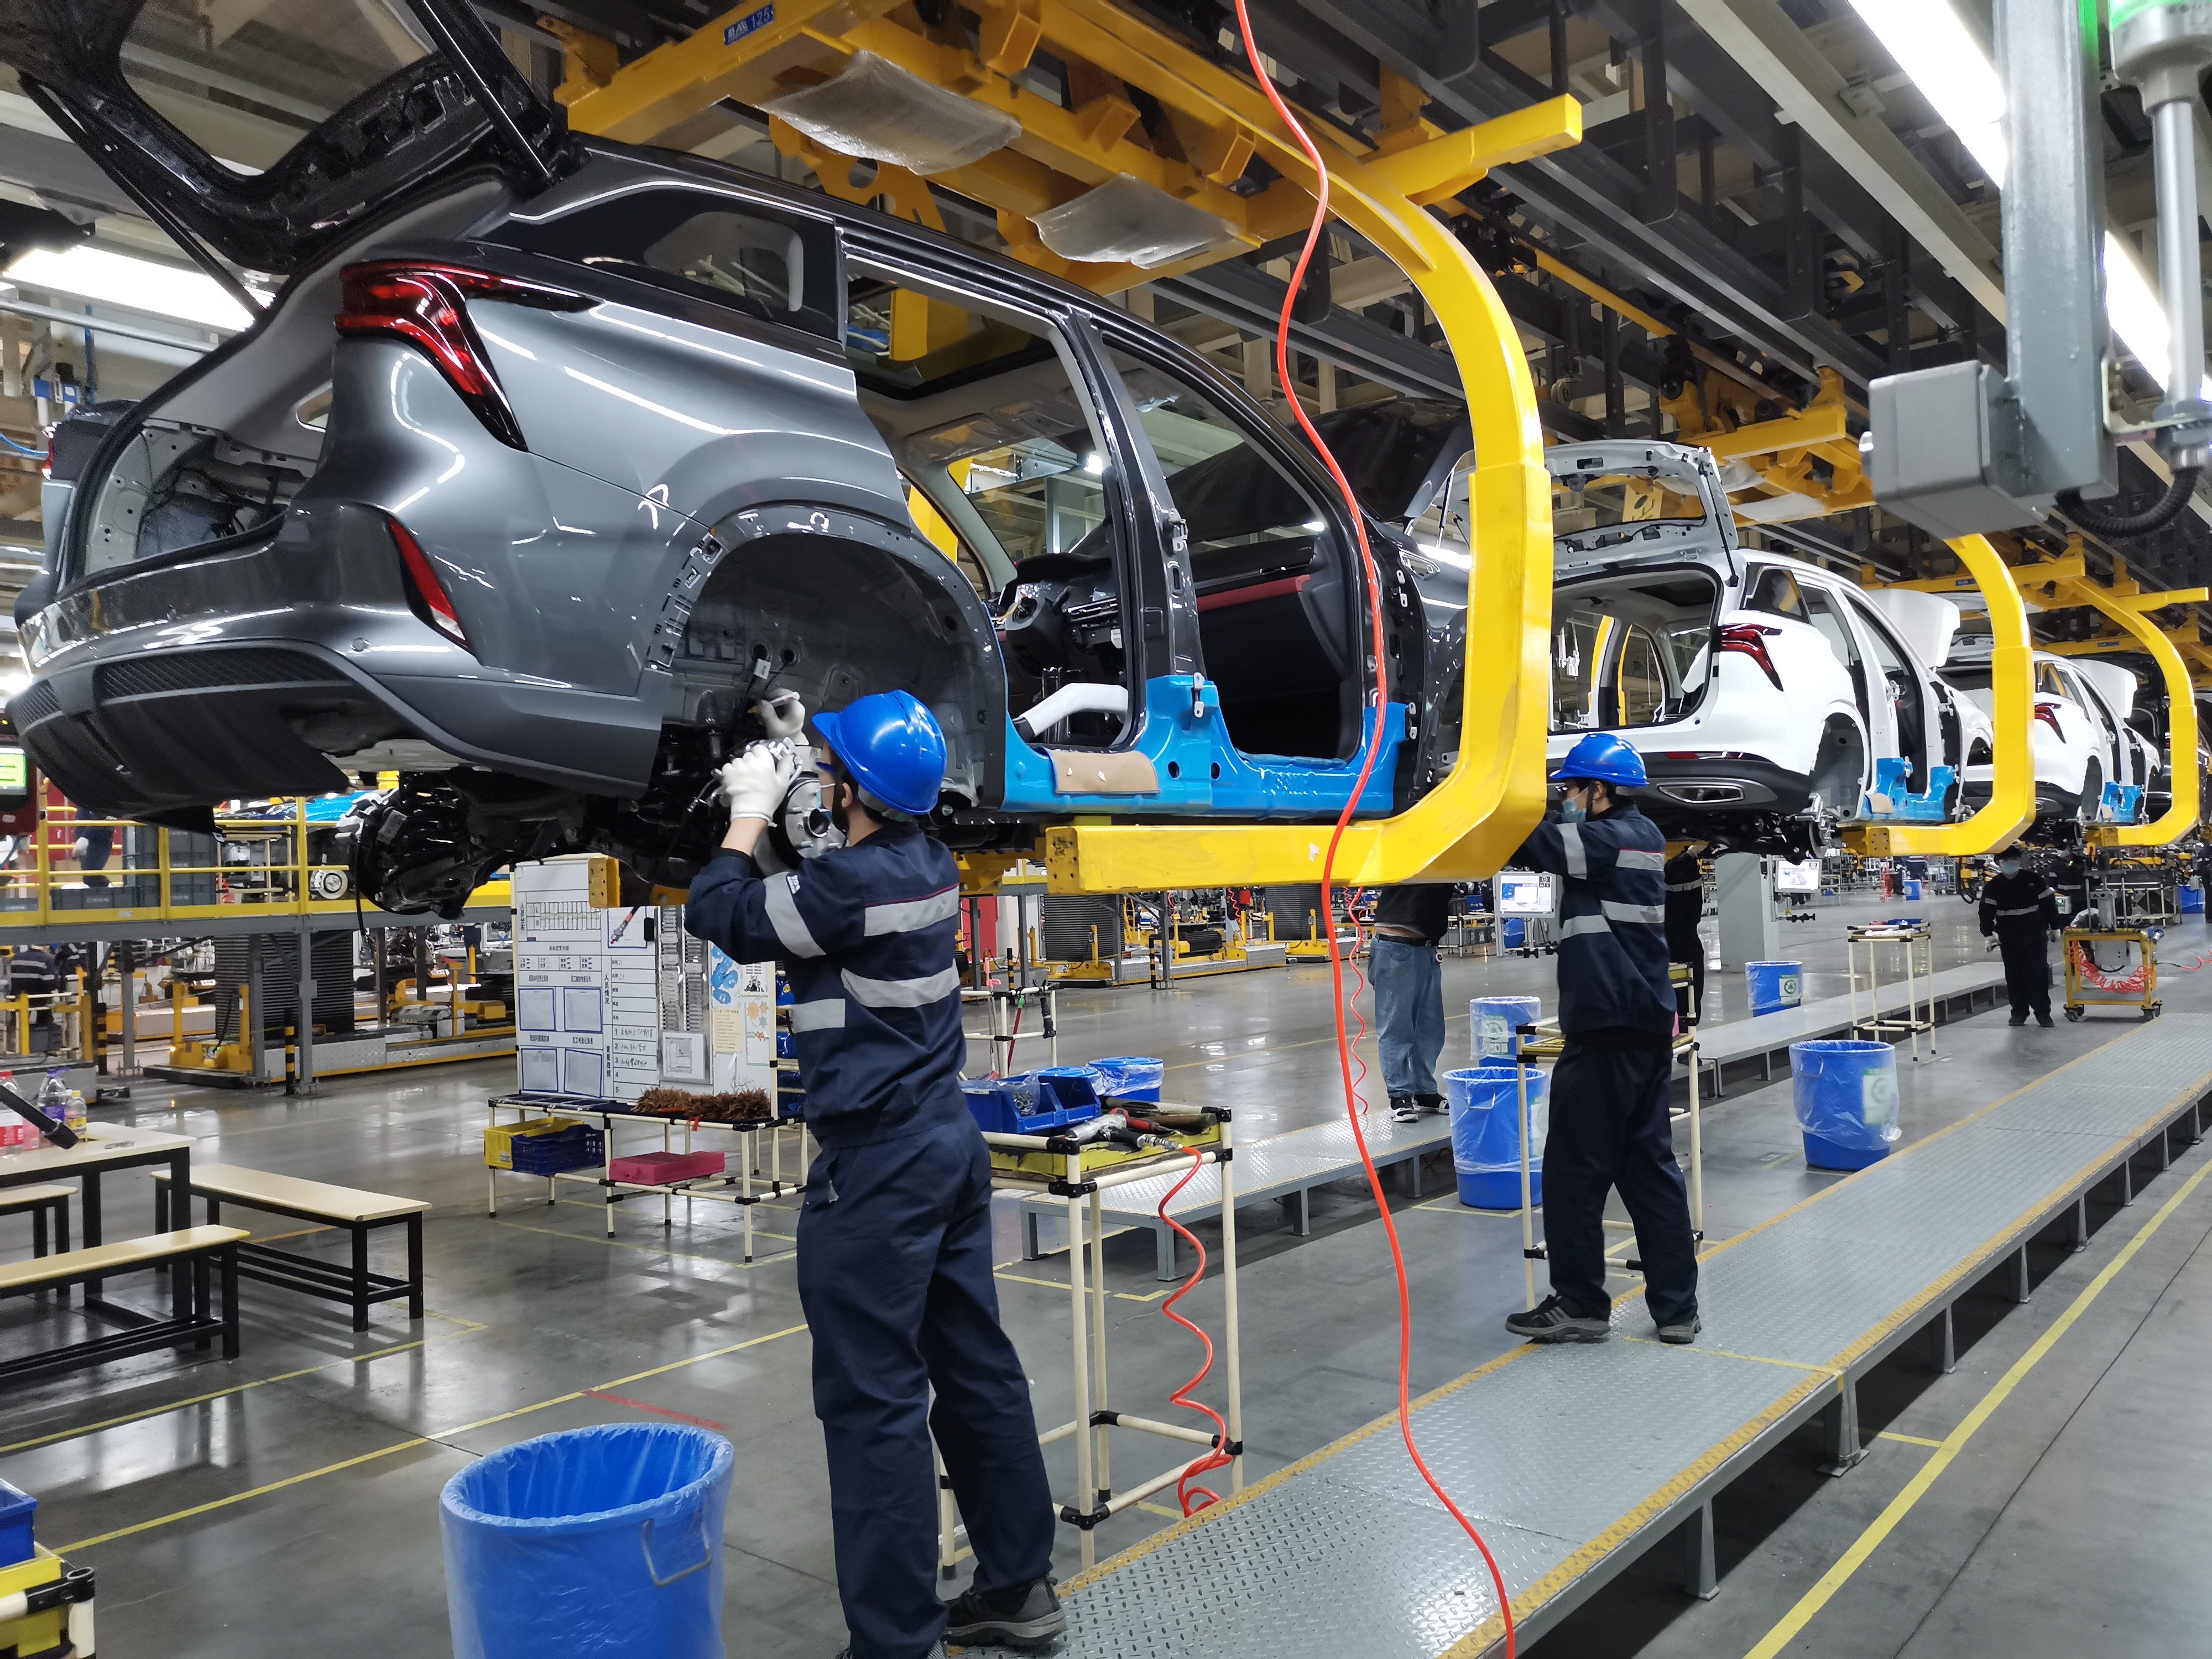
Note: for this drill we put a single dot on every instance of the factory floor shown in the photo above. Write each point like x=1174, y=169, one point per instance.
x=286, y=1503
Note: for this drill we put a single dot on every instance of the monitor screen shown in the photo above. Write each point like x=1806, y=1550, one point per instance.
x=1797, y=877
x=14, y=771
x=1525, y=893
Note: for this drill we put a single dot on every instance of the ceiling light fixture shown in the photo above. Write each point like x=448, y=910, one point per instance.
x=1955, y=74
x=119, y=279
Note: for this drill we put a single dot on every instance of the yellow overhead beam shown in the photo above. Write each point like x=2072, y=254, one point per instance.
x=1443, y=166
x=2011, y=806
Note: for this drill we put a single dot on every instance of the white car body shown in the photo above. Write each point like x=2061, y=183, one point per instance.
x=1759, y=701
x=2075, y=742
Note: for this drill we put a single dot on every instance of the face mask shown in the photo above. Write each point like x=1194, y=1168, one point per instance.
x=2010, y=866
x=1571, y=810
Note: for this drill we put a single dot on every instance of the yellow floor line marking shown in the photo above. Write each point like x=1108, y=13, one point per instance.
x=1150, y=1508
x=1908, y=1439
x=649, y=1250
x=224, y=1394
x=436, y=1435
x=1755, y=1358
x=1785, y=1632
x=1061, y=1284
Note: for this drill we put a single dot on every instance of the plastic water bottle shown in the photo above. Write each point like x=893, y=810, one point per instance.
x=77, y=1113
x=54, y=1096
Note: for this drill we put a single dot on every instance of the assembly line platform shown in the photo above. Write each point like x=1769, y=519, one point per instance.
x=1574, y=1461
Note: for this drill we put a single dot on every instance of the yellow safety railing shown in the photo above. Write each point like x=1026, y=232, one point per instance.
x=261, y=864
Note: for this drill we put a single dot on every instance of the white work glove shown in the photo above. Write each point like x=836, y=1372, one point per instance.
x=755, y=784
x=783, y=714
x=1991, y=946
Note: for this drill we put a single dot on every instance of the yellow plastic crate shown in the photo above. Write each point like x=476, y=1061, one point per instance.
x=1046, y=1167
x=499, y=1138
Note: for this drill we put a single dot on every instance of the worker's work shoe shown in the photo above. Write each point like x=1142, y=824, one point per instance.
x=2044, y=1020
x=1683, y=1334
x=1024, y=1616
x=1429, y=1102
x=1548, y=1321
x=2017, y=1019
x=1405, y=1108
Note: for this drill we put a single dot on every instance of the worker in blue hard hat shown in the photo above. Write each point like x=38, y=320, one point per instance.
x=895, y=1230
x=1610, y=1128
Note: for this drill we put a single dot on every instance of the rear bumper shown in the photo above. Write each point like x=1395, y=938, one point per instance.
x=1735, y=783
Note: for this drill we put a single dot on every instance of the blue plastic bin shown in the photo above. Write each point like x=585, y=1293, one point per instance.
x=1492, y=1022
x=1132, y=1077
x=1011, y=1106
x=1072, y=1089
x=1912, y=889
x=17, y=1509
x=1774, y=986
x=1511, y=931
x=2192, y=901
x=587, y=1543
x=1846, y=1094
x=1485, y=1130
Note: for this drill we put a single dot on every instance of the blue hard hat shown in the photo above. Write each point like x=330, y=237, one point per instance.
x=892, y=745
x=1603, y=759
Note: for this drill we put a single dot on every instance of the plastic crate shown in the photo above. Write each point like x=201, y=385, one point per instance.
x=1012, y=1106
x=576, y=1148
x=658, y=1168
x=17, y=1507
x=501, y=1139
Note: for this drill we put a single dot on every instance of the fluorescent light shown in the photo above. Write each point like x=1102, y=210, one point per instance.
x=1952, y=72
x=118, y=279
x=1095, y=465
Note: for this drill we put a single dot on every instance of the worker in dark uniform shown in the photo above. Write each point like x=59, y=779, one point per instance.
x=1410, y=923
x=894, y=1232
x=1685, y=908
x=2019, y=911
x=1609, y=1124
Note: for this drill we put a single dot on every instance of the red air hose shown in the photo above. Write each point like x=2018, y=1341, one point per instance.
x=1344, y=1049
x=1219, y=1458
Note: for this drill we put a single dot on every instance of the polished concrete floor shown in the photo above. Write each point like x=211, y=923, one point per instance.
x=286, y=1503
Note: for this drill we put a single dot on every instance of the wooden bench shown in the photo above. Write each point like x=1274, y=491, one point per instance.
x=44, y=1204
x=190, y=1320
x=357, y=1213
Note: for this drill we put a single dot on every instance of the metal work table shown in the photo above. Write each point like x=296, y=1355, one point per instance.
x=1345, y=1554
x=1287, y=1167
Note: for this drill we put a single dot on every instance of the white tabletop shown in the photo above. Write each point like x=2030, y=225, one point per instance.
x=102, y=1144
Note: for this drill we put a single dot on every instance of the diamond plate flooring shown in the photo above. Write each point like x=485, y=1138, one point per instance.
x=1347, y=1554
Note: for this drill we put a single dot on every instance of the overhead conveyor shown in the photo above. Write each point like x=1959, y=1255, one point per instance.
x=1470, y=822
x=1581, y=1459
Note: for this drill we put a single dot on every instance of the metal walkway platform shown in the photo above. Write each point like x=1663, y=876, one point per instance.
x=1765, y=1038
x=1346, y=1554
x=1283, y=1167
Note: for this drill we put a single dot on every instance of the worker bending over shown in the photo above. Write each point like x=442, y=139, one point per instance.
x=894, y=1232
x=2019, y=912
x=1609, y=1123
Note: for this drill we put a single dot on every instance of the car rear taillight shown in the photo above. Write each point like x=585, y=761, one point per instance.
x=427, y=306
x=425, y=594
x=2048, y=713
x=1749, y=639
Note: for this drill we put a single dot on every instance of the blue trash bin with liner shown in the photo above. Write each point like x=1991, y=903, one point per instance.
x=1492, y=1022
x=2192, y=901
x=1846, y=1093
x=590, y=1542
x=1132, y=1077
x=1486, y=1131
x=1511, y=931
x=1774, y=986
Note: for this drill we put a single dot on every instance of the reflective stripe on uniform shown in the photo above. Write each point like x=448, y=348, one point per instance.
x=1570, y=842
x=901, y=992
x=1654, y=914
x=910, y=916
x=1684, y=886
x=1574, y=925
x=827, y=1015
x=2021, y=910
x=1633, y=858
x=783, y=915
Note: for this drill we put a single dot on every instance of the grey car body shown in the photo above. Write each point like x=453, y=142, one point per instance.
x=670, y=497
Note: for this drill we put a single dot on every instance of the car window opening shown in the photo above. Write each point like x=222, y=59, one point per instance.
x=1583, y=502
x=1276, y=612
x=1907, y=704
x=992, y=428
x=1632, y=651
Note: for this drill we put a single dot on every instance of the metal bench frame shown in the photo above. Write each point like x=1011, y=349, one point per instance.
x=353, y=1283
x=190, y=1321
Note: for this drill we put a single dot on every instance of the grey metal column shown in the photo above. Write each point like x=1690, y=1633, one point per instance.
x=303, y=1081
x=127, y=968
x=1743, y=888
x=2054, y=242
x=257, y=1016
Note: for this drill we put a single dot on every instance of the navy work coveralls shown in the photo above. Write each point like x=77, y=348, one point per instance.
x=1609, y=1126
x=2021, y=911
x=895, y=1234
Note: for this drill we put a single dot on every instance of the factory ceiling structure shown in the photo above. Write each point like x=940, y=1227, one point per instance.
x=1765, y=212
